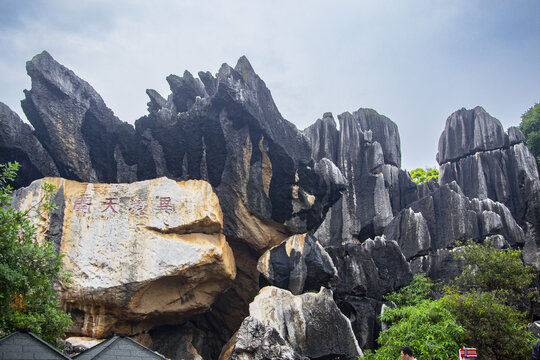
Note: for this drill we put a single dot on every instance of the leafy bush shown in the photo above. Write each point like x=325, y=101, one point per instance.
x=428, y=327
x=479, y=310
x=420, y=175
x=497, y=330
x=530, y=127
x=501, y=271
x=413, y=294
x=27, y=269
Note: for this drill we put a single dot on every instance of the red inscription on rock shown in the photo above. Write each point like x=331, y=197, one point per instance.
x=82, y=204
x=136, y=206
x=110, y=204
x=165, y=204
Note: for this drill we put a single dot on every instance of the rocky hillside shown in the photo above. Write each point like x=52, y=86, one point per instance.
x=214, y=228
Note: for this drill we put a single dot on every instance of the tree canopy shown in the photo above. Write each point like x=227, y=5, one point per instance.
x=427, y=325
x=500, y=271
x=420, y=175
x=530, y=127
x=28, y=269
x=480, y=309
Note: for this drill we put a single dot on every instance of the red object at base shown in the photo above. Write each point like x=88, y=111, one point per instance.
x=467, y=352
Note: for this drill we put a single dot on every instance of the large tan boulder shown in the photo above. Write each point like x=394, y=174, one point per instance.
x=140, y=254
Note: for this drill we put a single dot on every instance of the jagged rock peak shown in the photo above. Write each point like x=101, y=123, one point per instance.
x=376, y=127
x=18, y=143
x=470, y=131
x=156, y=100
x=243, y=66
x=72, y=122
x=364, y=126
x=185, y=90
x=328, y=115
x=240, y=85
x=44, y=68
x=515, y=136
x=324, y=138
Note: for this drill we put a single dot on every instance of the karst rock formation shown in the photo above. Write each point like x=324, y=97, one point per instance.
x=213, y=228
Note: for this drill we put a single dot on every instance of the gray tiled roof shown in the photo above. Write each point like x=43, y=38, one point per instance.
x=119, y=348
x=27, y=346
x=94, y=350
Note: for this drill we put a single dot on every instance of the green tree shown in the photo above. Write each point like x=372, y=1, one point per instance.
x=491, y=291
x=420, y=175
x=497, y=330
x=530, y=127
x=424, y=324
x=28, y=269
x=480, y=309
x=413, y=294
x=488, y=269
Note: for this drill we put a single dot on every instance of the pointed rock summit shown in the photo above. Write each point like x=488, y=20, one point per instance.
x=72, y=122
x=18, y=143
x=468, y=132
x=487, y=163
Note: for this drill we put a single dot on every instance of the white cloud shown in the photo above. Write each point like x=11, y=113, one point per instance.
x=414, y=61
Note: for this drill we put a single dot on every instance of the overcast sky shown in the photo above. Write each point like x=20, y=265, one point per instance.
x=413, y=61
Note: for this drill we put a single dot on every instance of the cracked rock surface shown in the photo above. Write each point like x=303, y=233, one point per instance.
x=138, y=253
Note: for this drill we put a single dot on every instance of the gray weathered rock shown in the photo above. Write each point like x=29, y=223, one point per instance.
x=366, y=149
x=298, y=264
x=468, y=132
x=534, y=328
x=486, y=163
x=450, y=216
x=383, y=131
x=311, y=323
x=257, y=341
x=363, y=314
x=515, y=136
x=370, y=269
x=74, y=125
x=324, y=138
x=439, y=265
x=507, y=175
x=18, y=143
x=411, y=232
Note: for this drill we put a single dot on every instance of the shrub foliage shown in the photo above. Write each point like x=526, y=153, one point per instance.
x=482, y=308
x=28, y=269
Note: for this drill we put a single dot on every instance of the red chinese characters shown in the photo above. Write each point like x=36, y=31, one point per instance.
x=136, y=206
x=82, y=204
x=114, y=205
x=165, y=204
x=110, y=204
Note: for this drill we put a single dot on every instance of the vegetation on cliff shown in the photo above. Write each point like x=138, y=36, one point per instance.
x=530, y=127
x=482, y=308
x=420, y=175
x=28, y=269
